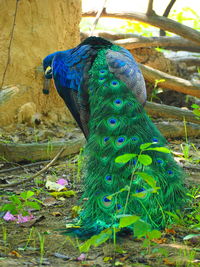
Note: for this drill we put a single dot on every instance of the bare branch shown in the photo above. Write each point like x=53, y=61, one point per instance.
x=163, y=41
x=166, y=13
x=97, y=17
x=171, y=82
x=37, y=173
x=172, y=43
x=165, y=111
x=154, y=20
x=150, y=8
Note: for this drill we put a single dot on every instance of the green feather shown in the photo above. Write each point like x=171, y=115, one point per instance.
x=119, y=125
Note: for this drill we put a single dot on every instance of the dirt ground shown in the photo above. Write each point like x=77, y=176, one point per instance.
x=40, y=242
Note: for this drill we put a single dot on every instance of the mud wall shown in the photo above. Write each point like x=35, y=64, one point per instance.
x=41, y=27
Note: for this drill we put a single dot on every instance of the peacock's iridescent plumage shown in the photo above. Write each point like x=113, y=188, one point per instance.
x=105, y=91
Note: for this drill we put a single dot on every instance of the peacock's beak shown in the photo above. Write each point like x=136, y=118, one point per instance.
x=46, y=86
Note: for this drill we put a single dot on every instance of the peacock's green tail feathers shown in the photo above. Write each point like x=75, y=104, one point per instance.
x=119, y=125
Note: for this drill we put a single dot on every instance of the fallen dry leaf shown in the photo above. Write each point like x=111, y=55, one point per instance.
x=169, y=262
x=159, y=240
x=15, y=254
x=170, y=231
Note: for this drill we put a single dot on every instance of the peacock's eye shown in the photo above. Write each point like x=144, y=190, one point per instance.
x=170, y=172
x=105, y=199
x=155, y=140
x=102, y=79
x=112, y=121
x=118, y=102
x=106, y=139
x=109, y=178
x=119, y=206
x=103, y=72
x=134, y=138
x=120, y=139
x=140, y=190
x=114, y=84
x=160, y=161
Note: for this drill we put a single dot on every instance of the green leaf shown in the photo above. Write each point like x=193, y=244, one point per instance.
x=144, y=146
x=125, y=158
x=145, y=159
x=196, y=112
x=96, y=240
x=154, y=234
x=159, y=81
x=147, y=178
x=195, y=106
x=27, y=194
x=126, y=188
x=143, y=193
x=9, y=207
x=197, y=217
x=160, y=149
x=15, y=200
x=141, y=228
x=102, y=237
x=86, y=245
x=140, y=194
x=146, y=243
x=128, y=220
x=37, y=200
x=33, y=205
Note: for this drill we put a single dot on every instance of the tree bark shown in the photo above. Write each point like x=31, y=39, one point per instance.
x=177, y=129
x=163, y=41
x=171, y=82
x=39, y=151
x=165, y=111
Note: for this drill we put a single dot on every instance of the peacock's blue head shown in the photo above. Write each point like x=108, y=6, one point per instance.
x=47, y=65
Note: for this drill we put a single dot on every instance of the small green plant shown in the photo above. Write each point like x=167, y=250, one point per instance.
x=196, y=110
x=29, y=237
x=35, y=132
x=4, y=231
x=42, y=248
x=187, y=147
x=20, y=204
x=149, y=237
x=156, y=90
x=49, y=146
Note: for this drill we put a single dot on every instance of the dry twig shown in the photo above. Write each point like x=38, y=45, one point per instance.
x=98, y=17
x=37, y=173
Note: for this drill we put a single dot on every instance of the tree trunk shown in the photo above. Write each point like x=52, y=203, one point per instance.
x=30, y=30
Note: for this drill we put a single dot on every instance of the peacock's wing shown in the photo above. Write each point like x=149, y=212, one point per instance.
x=122, y=64
x=70, y=78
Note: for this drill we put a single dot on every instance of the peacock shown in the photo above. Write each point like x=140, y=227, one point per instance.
x=105, y=91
